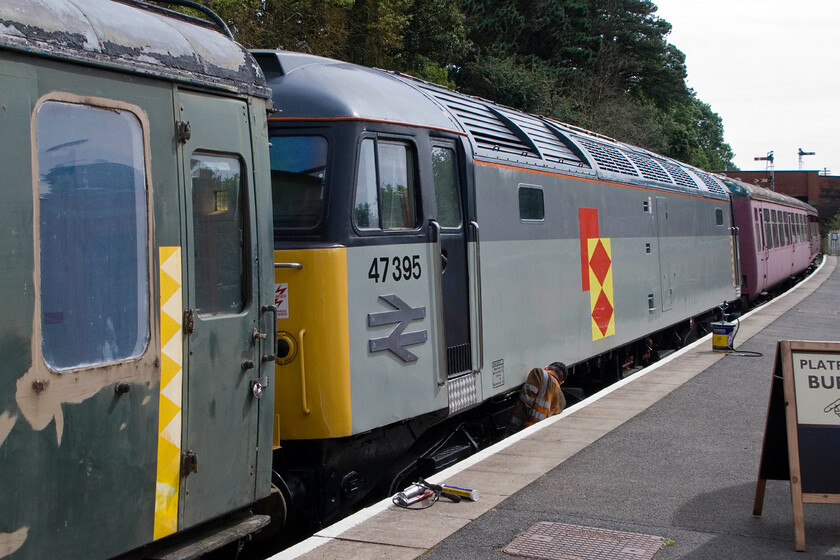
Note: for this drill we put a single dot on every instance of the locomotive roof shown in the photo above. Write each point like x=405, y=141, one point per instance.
x=313, y=87
x=150, y=41
x=306, y=86
x=740, y=188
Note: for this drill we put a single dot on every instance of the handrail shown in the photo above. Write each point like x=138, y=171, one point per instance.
x=270, y=357
x=298, y=266
x=213, y=16
x=478, y=304
x=438, y=272
x=303, y=374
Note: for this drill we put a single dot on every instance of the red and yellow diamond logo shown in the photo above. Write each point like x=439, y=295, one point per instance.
x=596, y=274
x=601, y=288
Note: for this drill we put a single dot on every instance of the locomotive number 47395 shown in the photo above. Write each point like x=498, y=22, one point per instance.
x=400, y=268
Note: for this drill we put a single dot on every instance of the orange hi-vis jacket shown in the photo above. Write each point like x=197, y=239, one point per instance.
x=539, y=398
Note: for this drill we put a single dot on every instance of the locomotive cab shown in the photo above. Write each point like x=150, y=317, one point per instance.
x=375, y=267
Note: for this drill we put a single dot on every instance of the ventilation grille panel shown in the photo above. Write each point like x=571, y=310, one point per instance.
x=608, y=158
x=649, y=168
x=710, y=182
x=551, y=146
x=679, y=175
x=489, y=132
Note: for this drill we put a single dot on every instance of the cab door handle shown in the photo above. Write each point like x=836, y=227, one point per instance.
x=273, y=354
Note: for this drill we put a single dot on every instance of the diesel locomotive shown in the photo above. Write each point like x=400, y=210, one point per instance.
x=432, y=247
x=247, y=288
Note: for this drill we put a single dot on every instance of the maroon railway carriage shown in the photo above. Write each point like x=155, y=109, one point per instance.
x=778, y=238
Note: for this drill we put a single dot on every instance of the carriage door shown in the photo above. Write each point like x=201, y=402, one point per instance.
x=221, y=322
x=664, y=259
x=456, y=306
x=765, y=250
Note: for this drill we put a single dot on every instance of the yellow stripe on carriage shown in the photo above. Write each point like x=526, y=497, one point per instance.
x=167, y=484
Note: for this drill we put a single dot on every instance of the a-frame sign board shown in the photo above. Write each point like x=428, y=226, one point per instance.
x=802, y=434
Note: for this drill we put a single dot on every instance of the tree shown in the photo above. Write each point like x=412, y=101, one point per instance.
x=605, y=65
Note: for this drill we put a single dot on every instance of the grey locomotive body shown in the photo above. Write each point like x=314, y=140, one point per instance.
x=475, y=242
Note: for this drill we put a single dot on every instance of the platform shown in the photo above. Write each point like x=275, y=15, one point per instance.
x=669, y=452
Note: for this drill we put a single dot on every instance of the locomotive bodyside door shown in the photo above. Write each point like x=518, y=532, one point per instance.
x=454, y=266
x=664, y=258
x=226, y=331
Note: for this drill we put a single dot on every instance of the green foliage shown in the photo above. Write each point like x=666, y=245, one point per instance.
x=833, y=224
x=605, y=65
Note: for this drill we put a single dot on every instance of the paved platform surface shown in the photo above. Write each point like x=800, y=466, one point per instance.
x=671, y=452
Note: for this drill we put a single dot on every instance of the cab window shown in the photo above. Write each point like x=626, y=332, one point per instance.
x=446, y=187
x=386, y=190
x=298, y=169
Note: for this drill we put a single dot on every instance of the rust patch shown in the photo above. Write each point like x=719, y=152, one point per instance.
x=559, y=541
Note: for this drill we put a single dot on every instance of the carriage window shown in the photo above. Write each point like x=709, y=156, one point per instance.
x=446, y=187
x=531, y=204
x=757, y=230
x=768, y=230
x=92, y=235
x=781, y=219
x=219, y=232
x=718, y=216
x=298, y=166
x=775, y=221
x=386, y=193
x=787, y=228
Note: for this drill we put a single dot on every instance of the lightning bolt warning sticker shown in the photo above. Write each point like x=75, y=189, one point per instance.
x=281, y=300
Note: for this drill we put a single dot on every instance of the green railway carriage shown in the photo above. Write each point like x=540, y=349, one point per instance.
x=463, y=243
x=136, y=318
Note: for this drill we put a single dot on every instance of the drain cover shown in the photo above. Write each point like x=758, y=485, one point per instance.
x=558, y=541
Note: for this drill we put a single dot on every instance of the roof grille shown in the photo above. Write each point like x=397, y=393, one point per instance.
x=551, y=145
x=608, y=158
x=649, y=168
x=488, y=130
x=710, y=182
x=680, y=176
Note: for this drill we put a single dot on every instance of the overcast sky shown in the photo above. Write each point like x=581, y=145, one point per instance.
x=770, y=69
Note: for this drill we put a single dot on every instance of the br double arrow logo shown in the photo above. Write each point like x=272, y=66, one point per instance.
x=398, y=339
